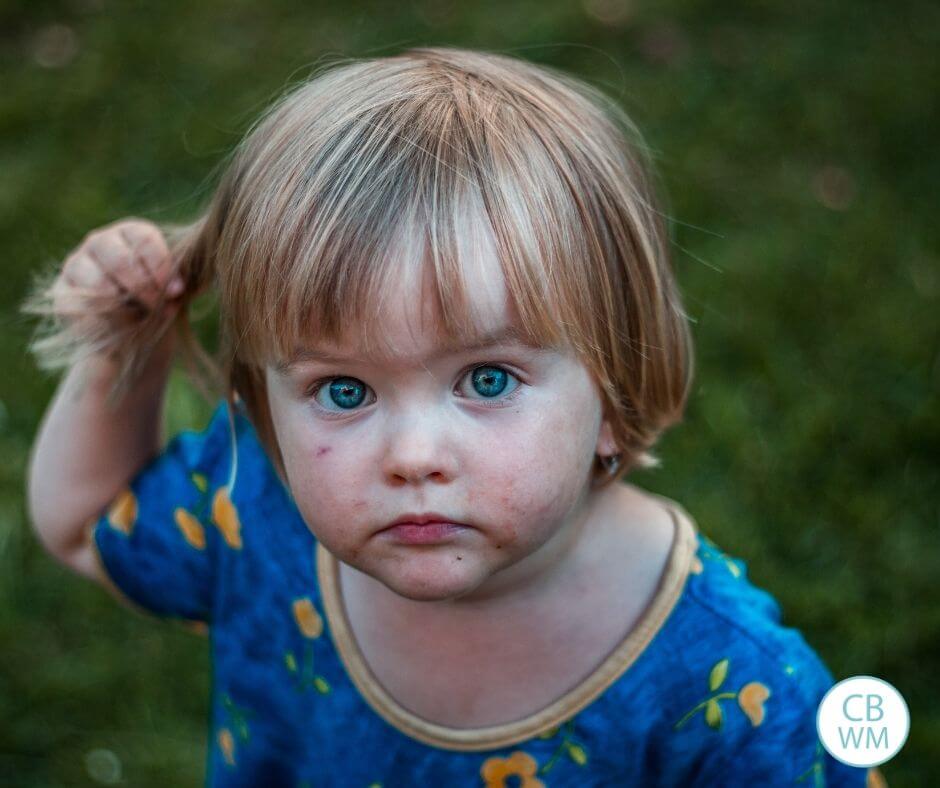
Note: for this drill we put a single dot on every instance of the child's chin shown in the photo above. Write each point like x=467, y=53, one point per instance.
x=440, y=582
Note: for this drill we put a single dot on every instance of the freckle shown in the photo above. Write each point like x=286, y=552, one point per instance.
x=323, y=450
x=499, y=547
x=460, y=558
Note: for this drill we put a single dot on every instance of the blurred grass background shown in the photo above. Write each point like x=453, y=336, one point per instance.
x=798, y=145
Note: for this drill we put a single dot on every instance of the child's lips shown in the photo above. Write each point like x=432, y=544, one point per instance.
x=423, y=533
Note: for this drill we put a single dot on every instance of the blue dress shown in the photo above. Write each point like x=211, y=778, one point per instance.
x=709, y=688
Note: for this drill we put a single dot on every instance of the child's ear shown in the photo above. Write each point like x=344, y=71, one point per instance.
x=606, y=446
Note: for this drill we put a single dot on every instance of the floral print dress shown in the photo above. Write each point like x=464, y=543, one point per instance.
x=708, y=688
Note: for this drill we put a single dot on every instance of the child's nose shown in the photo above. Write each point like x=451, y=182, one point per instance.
x=419, y=447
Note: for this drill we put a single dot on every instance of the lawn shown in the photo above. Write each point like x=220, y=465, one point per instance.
x=797, y=144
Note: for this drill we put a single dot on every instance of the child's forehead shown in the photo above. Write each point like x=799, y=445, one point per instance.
x=407, y=325
x=419, y=351
x=404, y=321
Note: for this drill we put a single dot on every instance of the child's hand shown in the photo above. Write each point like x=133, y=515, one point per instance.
x=125, y=268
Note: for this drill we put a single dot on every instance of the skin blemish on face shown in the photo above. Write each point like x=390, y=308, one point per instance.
x=512, y=536
x=323, y=450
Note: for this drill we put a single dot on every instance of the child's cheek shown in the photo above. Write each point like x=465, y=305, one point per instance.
x=321, y=486
x=548, y=478
x=523, y=503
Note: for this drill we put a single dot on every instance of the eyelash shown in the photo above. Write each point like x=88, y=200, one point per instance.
x=498, y=402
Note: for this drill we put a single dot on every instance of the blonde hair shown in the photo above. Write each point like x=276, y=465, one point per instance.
x=307, y=225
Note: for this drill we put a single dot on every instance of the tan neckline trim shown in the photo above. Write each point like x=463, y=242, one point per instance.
x=650, y=622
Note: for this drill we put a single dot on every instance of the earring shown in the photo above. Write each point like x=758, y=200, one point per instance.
x=611, y=463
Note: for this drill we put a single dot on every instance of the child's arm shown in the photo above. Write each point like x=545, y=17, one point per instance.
x=86, y=452
x=87, y=449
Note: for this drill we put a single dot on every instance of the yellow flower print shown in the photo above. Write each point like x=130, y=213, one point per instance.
x=577, y=753
x=222, y=513
x=225, y=517
x=307, y=618
x=710, y=550
x=817, y=771
x=190, y=527
x=227, y=745
x=568, y=745
x=123, y=512
x=235, y=729
x=750, y=698
x=310, y=624
x=718, y=673
x=494, y=771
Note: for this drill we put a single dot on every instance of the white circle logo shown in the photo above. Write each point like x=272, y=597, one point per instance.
x=863, y=721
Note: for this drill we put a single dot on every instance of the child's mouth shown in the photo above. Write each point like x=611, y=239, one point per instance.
x=423, y=533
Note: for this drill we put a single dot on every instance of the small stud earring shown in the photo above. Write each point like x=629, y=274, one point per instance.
x=611, y=463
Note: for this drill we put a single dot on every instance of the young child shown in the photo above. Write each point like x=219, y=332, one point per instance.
x=449, y=329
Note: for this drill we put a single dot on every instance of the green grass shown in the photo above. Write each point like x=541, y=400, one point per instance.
x=797, y=143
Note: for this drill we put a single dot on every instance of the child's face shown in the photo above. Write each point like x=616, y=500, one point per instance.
x=501, y=439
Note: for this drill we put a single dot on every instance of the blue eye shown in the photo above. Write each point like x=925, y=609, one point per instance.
x=489, y=381
x=346, y=393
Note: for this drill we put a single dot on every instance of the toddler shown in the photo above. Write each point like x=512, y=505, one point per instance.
x=449, y=329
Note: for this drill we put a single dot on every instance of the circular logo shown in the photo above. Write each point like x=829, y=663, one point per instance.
x=863, y=721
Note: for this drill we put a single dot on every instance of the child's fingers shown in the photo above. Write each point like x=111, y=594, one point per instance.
x=151, y=252
x=81, y=270
x=79, y=277
x=111, y=257
x=139, y=248
x=123, y=257
x=128, y=265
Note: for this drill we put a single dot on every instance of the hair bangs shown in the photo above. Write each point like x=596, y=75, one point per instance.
x=434, y=188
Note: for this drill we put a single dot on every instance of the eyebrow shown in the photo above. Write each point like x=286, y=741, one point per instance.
x=506, y=335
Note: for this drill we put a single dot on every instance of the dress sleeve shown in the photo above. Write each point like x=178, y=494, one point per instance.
x=768, y=735
x=158, y=540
